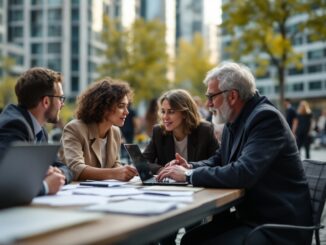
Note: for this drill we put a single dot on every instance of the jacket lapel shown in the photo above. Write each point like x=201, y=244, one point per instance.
x=111, y=147
x=95, y=142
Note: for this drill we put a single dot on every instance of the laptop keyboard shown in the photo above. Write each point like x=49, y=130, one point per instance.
x=165, y=180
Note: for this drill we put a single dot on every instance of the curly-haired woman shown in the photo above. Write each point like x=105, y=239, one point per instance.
x=91, y=142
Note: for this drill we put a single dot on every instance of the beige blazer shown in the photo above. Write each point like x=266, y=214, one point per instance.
x=82, y=147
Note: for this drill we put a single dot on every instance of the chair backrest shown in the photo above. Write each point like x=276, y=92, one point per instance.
x=316, y=176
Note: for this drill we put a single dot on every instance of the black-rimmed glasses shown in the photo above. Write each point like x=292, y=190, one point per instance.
x=210, y=97
x=62, y=98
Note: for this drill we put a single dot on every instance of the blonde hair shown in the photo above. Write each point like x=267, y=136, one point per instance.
x=181, y=100
x=304, y=108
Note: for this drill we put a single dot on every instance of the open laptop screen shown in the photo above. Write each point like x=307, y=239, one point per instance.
x=139, y=161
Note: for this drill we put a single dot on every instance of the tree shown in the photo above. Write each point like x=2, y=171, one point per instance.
x=191, y=64
x=317, y=18
x=136, y=55
x=7, y=83
x=260, y=30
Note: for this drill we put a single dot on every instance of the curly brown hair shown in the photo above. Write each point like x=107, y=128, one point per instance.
x=100, y=97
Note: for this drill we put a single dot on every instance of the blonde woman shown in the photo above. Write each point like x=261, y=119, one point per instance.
x=303, y=127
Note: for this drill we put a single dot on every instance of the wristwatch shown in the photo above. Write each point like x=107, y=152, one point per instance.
x=188, y=174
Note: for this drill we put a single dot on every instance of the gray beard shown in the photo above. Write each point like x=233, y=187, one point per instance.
x=221, y=115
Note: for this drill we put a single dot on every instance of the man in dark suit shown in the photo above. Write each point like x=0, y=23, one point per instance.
x=259, y=154
x=290, y=115
x=40, y=99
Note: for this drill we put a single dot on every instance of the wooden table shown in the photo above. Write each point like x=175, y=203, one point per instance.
x=128, y=229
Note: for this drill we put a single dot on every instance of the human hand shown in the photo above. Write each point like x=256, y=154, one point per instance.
x=175, y=172
x=124, y=173
x=179, y=160
x=54, y=181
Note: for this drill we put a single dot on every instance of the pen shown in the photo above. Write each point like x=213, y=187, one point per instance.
x=156, y=193
x=94, y=184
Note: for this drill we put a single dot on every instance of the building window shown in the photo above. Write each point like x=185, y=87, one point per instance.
x=36, y=17
x=54, y=15
x=16, y=2
x=315, y=68
x=315, y=85
x=37, y=48
x=294, y=71
x=15, y=32
x=54, y=30
x=74, y=84
x=37, y=31
x=74, y=47
x=298, y=87
x=75, y=65
x=37, y=62
x=315, y=54
x=54, y=2
x=15, y=15
x=54, y=48
x=54, y=64
x=75, y=14
x=37, y=2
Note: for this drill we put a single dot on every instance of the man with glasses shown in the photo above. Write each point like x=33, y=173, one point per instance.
x=258, y=153
x=40, y=99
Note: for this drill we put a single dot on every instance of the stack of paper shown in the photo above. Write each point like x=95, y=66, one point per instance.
x=136, y=207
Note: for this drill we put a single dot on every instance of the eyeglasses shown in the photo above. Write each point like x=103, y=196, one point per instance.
x=62, y=98
x=210, y=97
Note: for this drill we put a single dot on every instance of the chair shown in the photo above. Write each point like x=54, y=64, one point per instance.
x=316, y=176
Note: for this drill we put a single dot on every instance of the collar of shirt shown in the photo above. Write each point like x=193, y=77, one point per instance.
x=36, y=125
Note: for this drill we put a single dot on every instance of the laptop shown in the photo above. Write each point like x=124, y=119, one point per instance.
x=144, y=171
x=22, y=169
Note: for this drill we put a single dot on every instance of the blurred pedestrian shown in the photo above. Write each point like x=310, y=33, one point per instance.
x=304, y=127
x=290, y=114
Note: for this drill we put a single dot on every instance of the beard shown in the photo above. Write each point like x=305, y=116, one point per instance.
x=52, y=115
x=222, y=114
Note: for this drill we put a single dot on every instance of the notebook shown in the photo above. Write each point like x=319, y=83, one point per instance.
x=22, y=170
x=144, y=171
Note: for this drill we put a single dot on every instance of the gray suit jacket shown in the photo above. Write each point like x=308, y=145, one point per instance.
x=259, y=153
x=16, y=125
x=160, y=150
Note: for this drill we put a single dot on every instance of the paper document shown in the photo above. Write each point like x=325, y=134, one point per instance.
x=23, y=222
x=99, y=191
x=69, y=200
x=160, y=198
x=136, y=207
x=173, y=188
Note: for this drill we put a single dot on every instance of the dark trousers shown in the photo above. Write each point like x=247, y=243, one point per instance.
x=225, y=228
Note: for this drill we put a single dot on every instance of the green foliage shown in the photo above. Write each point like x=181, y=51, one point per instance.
x=260, y=29
x=7, y=82
x=191, y=65
x=316, y=10
x=136, y=55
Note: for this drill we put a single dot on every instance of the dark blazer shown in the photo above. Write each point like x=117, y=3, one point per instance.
x=160, y=150
x=16, y=125
x=259, y=153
